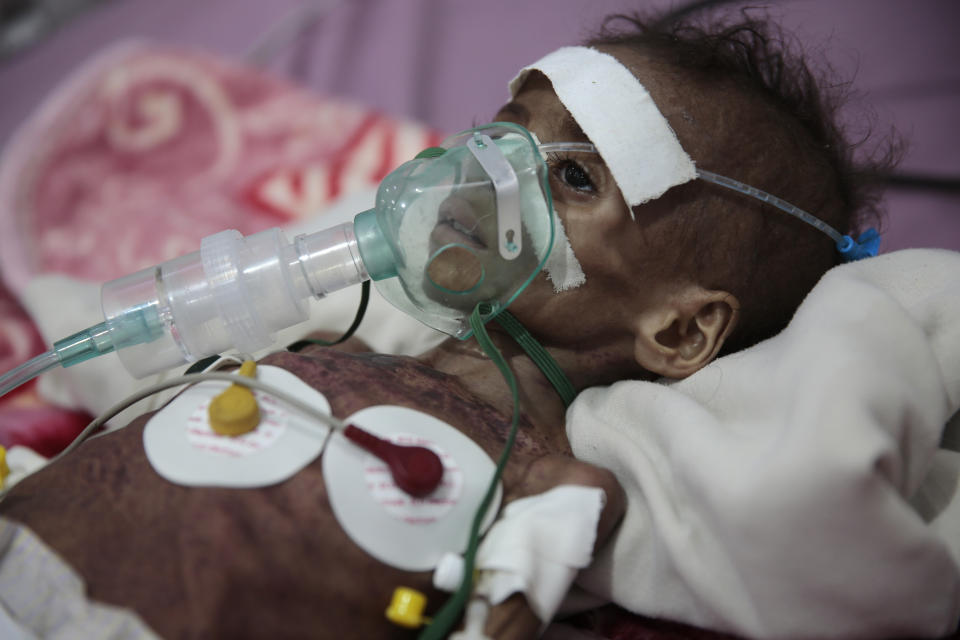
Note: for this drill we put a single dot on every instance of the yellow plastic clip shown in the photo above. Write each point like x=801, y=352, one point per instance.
x=235, y=412
x=406, y=608
x=4, y=467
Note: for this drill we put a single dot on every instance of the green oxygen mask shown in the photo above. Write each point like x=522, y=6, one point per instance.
x=469, y=222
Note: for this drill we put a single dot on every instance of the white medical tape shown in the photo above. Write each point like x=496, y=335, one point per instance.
x=538, y=545
x=562, y=267
x=619, y=117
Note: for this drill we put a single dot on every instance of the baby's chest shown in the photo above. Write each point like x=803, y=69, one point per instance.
x=353, y=384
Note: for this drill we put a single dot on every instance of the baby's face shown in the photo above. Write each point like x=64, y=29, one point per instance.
x=612, y=248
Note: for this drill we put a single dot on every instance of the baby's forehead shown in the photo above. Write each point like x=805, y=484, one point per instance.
x=605, y=98
x=536, y=100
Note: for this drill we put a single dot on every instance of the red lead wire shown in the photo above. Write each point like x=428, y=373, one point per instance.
x=416, y=470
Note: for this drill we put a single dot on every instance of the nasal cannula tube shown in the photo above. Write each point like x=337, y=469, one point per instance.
x=234, y=293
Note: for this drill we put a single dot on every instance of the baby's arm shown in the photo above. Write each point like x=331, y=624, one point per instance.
x=514, y=618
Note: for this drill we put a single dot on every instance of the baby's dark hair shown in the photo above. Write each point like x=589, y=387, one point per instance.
x=759, y=113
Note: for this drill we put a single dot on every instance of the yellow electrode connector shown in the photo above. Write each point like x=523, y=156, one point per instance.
x=406, y=608
x=235, y=412
x=4, y=467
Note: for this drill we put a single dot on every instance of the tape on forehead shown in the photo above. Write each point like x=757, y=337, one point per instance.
x=619, y=117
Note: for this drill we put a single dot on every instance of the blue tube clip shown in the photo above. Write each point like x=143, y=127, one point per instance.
x=866, y=246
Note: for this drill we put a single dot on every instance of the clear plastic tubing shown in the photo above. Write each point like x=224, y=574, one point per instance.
x=234, y=293
x=28, y=371
x=783, y=205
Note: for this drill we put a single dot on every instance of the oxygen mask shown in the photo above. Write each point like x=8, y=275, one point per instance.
x=465, y=223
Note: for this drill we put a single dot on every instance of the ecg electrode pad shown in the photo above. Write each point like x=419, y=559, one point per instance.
x=182, y=447
x=404, y=532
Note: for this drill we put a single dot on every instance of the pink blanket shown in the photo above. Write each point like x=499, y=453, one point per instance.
x=145, y=150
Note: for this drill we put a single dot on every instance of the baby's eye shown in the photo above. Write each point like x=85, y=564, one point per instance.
x=573, y=175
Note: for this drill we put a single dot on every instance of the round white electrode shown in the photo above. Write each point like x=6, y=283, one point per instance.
x=404, y=532
x=183, y=449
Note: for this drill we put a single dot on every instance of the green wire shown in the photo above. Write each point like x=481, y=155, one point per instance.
x=448, y=615
x=561, y=383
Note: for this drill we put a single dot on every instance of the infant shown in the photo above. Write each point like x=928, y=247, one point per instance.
x=677, y=272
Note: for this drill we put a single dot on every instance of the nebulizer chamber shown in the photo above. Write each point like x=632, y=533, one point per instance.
x=236, y=292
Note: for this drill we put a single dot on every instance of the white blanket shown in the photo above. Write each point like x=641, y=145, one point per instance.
x=798, y=488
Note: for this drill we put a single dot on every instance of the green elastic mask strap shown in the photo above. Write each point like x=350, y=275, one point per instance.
x=431, y=152
x=449, y=613
x=357, y=319
x=561, y=383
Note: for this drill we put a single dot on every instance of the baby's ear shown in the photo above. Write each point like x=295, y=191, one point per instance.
x=685, y=331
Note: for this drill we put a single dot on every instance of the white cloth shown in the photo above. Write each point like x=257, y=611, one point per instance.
x=22, y=461
x=42, y=597
x=537, y=546
x=798, y=488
